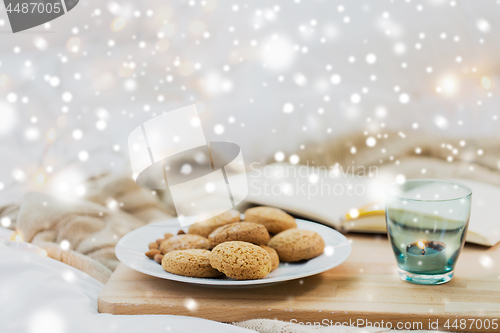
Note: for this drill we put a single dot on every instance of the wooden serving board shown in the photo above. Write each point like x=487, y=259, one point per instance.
x=365, y=288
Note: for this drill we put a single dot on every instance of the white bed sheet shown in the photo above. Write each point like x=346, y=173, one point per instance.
x=41, y=295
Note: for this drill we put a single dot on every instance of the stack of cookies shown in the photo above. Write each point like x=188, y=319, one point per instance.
x=242, y=250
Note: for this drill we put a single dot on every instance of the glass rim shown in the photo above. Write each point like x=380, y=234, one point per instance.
x=394, y=184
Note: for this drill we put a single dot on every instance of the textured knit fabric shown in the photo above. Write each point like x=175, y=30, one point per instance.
x=412, y=155
x=276, y=326
x=90, y=227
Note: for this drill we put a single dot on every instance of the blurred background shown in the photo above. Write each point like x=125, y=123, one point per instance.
x=275, y=77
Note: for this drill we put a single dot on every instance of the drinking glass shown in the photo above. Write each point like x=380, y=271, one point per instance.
x=427, y=222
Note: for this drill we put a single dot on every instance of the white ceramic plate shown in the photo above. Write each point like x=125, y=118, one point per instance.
x=131, y=248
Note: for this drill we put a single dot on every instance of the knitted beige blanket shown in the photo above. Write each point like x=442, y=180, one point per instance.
x=114, y=205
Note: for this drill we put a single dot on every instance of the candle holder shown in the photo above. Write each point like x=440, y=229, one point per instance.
x=427, y=223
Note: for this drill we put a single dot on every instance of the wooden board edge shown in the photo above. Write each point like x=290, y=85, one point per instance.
x=307, y=317
x=104, y=306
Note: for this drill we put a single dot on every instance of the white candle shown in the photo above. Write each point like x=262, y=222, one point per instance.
x=426, y=257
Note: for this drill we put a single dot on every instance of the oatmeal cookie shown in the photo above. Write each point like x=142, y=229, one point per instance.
x=274, y=219
x=241, y=260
